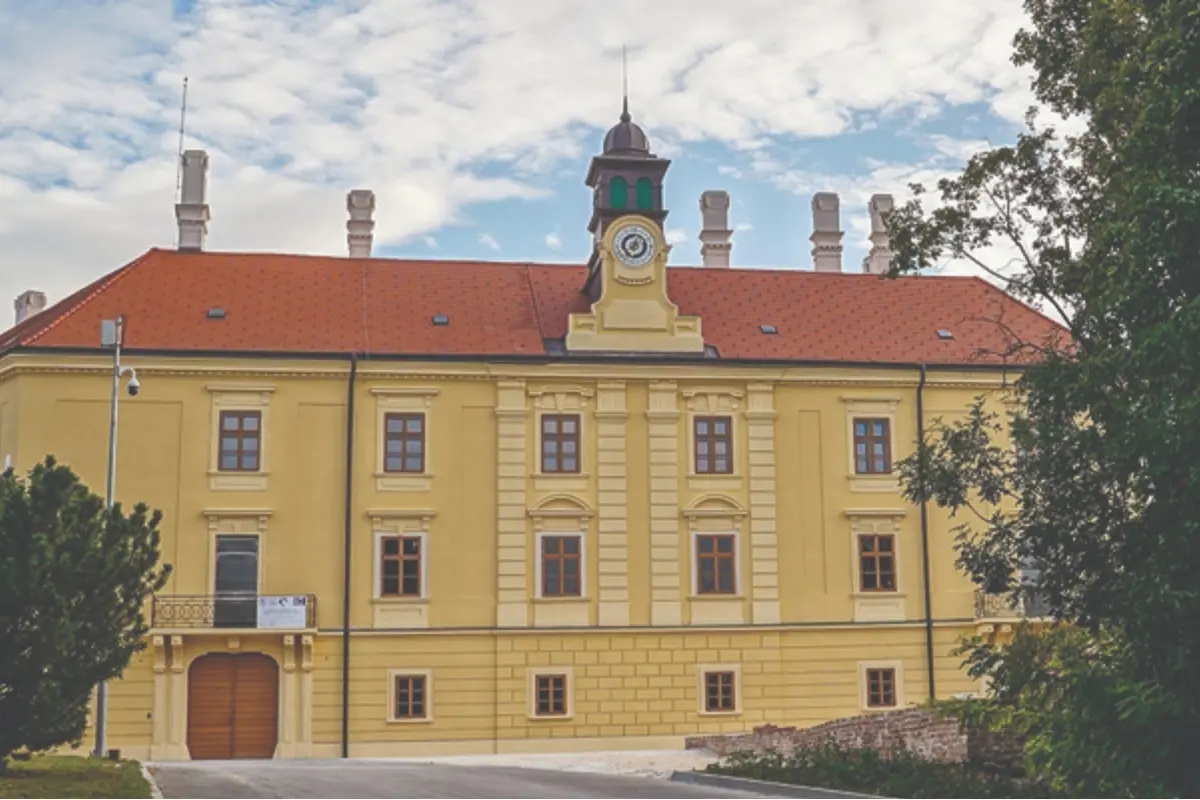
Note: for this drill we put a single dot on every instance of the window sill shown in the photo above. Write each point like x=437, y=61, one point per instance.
x=409, y=720
x=718, y=609
x=737, y=712
x=559, y=481
x=562, y=612
x=885, y=482
x=400, y=601
x=403, y=481
x=715, y=480
x=550, y=717
x=220, y=480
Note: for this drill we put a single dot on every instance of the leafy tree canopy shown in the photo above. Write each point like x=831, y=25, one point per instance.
x=74, y=579
x=1100, y=499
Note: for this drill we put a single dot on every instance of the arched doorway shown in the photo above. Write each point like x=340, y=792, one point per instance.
x=233, y=706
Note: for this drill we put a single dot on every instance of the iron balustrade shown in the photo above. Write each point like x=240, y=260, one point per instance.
x=218, y=611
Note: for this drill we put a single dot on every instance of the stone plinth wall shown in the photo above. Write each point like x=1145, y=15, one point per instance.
x=915, y=730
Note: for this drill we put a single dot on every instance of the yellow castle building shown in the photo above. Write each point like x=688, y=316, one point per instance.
x=432, y=507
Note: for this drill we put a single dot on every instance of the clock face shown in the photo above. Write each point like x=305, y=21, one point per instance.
x=634, y=246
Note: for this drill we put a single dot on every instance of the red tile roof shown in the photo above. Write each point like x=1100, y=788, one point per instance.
x=309, y=304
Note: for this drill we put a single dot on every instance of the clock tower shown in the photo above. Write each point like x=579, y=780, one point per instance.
x=626, y=178
x=627, y=273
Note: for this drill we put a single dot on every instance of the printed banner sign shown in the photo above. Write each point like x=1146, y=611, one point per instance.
x=283, y=611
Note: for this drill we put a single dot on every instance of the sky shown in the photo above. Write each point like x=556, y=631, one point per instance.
x=473, y=121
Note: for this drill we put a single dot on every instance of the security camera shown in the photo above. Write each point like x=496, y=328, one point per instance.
x=134, y=386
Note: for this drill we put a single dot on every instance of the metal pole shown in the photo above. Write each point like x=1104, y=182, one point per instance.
x=102, y=689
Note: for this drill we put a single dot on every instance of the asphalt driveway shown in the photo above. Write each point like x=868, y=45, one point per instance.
x=360, y=778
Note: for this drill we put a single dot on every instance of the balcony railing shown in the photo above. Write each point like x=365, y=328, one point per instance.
x=221, y=611
x=1031, y=605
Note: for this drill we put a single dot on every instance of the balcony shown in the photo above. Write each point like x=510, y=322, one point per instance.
x=1032, y=605
x=234, y=611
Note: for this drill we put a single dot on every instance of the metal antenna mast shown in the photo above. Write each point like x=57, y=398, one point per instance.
x=179, y=153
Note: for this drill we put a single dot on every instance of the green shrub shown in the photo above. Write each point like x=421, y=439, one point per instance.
x=867, y=771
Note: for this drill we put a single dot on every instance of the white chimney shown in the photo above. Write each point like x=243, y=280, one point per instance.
x=827, y=233
x=29, y=303
x=714, y=228
x=191, y=211
x=359, y=228
x=879, y=260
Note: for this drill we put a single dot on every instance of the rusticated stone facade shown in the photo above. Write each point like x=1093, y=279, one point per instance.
x=915, y=730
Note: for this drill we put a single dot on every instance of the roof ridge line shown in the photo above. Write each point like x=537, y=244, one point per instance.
x=105, y=285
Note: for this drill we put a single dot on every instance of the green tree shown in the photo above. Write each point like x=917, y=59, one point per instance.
x=73, y=584
x=1100, y=502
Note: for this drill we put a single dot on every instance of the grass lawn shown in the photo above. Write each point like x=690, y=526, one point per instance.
x=70, y=776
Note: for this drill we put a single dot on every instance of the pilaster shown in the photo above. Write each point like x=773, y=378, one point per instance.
x=666, y=603
x=512, y=580
x=612, y=513
x=764, y=541
x=177, y=680
x=304, y=743
x=287, y=706
x=160, y=719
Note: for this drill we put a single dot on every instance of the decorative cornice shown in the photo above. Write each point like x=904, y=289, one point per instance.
x=482, y=371
x=875, y=512
x=422, y=515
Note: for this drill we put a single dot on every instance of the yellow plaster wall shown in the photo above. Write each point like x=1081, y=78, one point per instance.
x=796, y=533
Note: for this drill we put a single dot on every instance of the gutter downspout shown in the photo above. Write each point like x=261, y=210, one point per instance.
x=346, y=556
x=925, y=543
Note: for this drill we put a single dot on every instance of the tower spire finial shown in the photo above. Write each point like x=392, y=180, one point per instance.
x=624, y=86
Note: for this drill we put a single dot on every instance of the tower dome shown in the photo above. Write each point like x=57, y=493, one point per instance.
x=626, y=137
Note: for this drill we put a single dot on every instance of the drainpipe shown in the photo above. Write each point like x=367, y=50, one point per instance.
x=925, y=543
x=346, y=556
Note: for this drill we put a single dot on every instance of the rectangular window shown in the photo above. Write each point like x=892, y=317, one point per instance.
x=719, y=691
x=877, y=562
x=551, y=698
x=400, y=567
x=410, y=697
x=716, y=563
x=241, y=441
x=714, y=445
x=560, y=443
x=881, y=688
x=872, y=446
x=236, y=589
x=404, y=443
x=562, y=566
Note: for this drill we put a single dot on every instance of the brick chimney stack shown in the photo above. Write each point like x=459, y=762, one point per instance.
x=826, y=232
x=360, y=227
x=191, y=212
x=714, y=230
x=29, y=303
x=879, y=260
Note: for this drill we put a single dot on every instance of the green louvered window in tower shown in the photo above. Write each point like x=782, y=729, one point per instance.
x=645, y=194
x=618, y=193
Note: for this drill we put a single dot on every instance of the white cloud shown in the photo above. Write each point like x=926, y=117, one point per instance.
x=489, y=241
x=430, y=242
x=742, y=227
x=433, y=104
x=675, y=235
x=553, y=241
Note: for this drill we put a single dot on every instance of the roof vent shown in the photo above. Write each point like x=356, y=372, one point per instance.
x=216, y=313
x=771, y=329
x=441, y=319
x=945, y=334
